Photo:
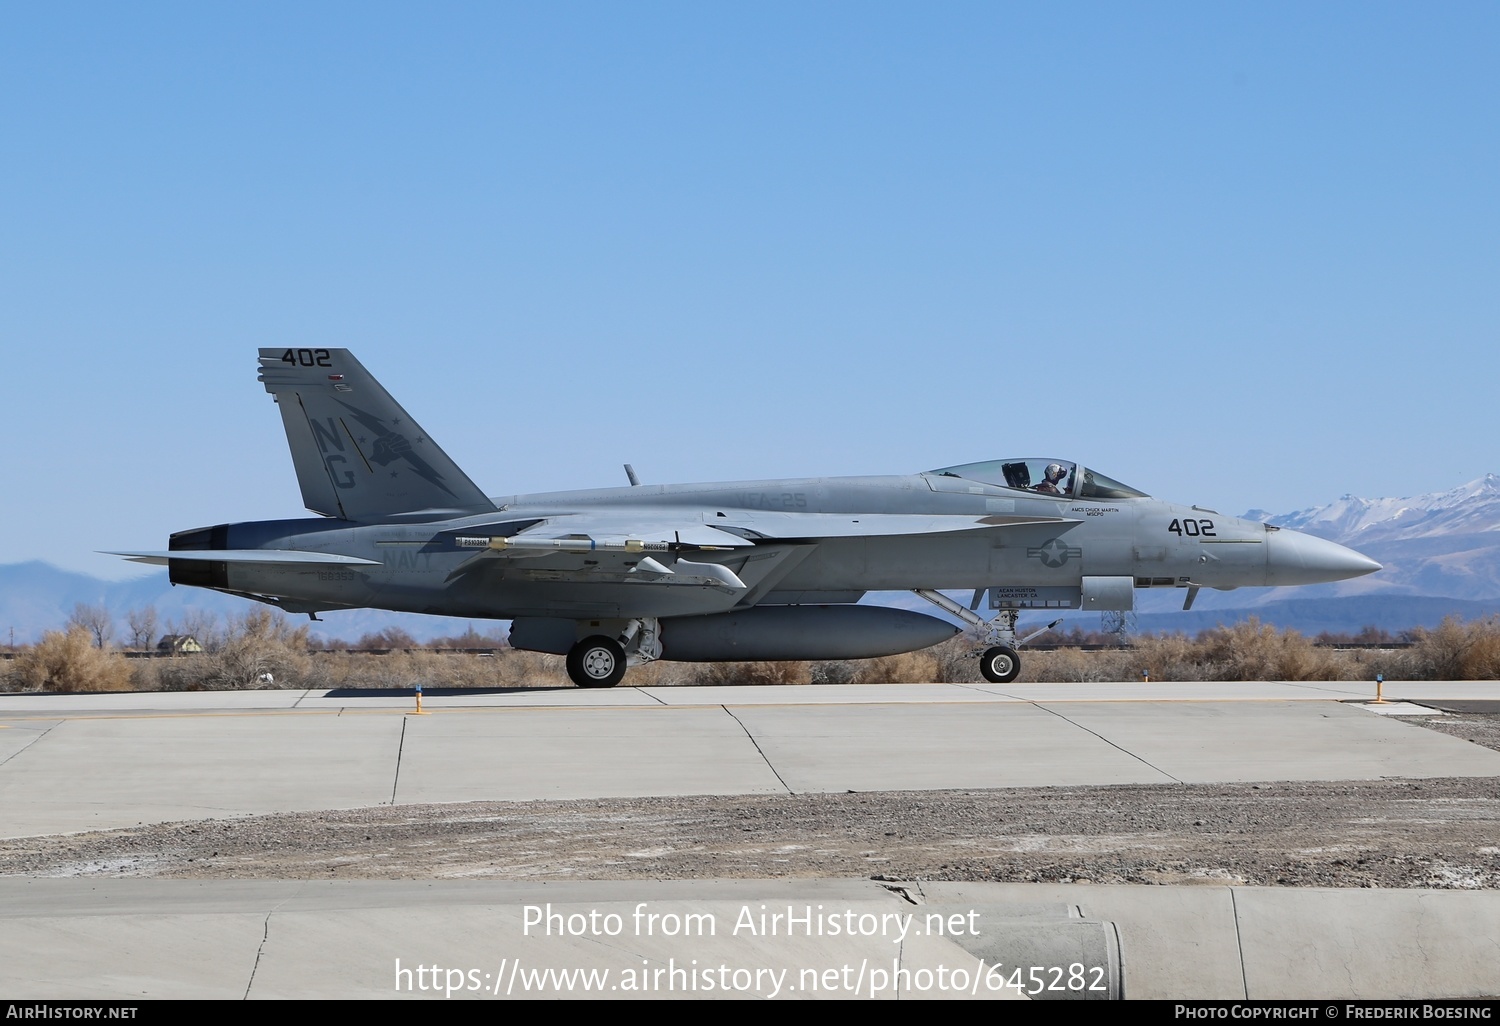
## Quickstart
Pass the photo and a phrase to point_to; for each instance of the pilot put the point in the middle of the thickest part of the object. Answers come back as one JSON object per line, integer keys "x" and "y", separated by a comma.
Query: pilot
{"x": 1052, "y": 482}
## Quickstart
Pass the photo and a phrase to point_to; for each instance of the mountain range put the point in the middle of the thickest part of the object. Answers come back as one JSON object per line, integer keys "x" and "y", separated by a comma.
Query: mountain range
{"x": 1440, "y": 551}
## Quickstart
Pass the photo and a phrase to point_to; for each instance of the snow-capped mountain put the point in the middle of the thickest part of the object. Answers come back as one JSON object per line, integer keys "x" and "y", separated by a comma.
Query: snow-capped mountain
{"x": 1442, "y": 544}
{"x": 1473, "y": 508}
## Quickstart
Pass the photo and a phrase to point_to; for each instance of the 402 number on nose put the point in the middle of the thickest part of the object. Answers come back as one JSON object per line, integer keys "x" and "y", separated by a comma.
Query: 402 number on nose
{"x": 1192, "y": 528}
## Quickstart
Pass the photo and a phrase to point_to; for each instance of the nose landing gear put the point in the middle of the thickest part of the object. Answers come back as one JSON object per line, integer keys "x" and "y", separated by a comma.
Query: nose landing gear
{"x": 1000, "y": 661}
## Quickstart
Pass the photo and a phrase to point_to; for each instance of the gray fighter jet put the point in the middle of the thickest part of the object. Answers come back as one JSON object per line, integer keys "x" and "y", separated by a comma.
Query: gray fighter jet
{"x": 748, "y": 570}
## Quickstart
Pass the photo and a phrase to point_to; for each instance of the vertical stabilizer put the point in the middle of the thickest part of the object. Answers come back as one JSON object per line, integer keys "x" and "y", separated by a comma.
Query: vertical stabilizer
{"x": 358, "y": 455}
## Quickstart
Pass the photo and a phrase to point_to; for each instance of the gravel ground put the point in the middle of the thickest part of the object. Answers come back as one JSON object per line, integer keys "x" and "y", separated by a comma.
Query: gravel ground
{"x": 1386, "y": 833}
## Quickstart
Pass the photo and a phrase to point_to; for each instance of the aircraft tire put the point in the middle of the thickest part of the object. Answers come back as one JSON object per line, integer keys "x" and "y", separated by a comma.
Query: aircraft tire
{"x": 596, "y": 662}
{"x": 1000, "y": 665}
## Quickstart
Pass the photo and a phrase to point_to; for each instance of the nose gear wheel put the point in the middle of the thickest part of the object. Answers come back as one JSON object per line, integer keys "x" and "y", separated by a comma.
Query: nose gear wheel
{"x": 1000, "y": 665}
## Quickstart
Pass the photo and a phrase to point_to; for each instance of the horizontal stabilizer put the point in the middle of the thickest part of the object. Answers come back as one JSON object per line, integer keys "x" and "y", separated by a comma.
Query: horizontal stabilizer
{"x": 281, "y": 556}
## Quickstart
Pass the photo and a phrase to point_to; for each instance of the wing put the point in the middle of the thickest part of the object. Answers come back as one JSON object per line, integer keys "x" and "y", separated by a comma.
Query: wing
{"x": 665, "y": 548}
{"x": 587, "y": 546}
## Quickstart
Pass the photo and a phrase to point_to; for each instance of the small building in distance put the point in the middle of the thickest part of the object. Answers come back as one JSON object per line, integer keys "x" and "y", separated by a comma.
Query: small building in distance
{"x": 178, "y": 644}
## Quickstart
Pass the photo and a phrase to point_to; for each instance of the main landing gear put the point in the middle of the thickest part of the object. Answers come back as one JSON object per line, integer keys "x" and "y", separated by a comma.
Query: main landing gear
{"x": 1000, "y": 662}
{"x": 599, "y": 661}
{"x": 596, "y": 662}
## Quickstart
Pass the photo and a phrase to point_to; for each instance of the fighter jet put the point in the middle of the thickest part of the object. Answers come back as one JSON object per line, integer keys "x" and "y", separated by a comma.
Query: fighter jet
{"x": 748, "y": 570}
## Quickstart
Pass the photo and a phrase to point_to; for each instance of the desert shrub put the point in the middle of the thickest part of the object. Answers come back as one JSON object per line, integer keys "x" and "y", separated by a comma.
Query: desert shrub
{"x": 1246, "y": 651}
{"x": 918, "y": 667}
{"x": 957, "y": 661}
{"x": 660, "y": 674}
{"x": 177, "y": 673}
{"x": 1256, "y": 651}
{"x": 466, "y": 671}
{"x": 1065, "y": 665}
{"x": 400, "y": 670}
{"x": 70, "y": 661}
{"x": 508, "y": 669}
{"x": 405, "y": 670}
{"x": 1398, "y": 664}
{"x": 781, "y": 672}
{"x": 834, "y": 671}
{"x": 1456, "y": 650}
{"x": 471, "y": 638}
{"x": 261, "y": 649}
{"x": 516, "y": 669}
{"x": 389, "y": 639}
{"x": 1167, "y": 657}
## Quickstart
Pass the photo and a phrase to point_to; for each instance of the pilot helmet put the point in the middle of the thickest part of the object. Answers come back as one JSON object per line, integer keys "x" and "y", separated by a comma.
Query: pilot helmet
{"x": 1055, "y": 472}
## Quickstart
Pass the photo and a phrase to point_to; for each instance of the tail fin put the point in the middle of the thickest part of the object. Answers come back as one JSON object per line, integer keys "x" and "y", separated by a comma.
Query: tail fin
{"x": 358, "y": 455}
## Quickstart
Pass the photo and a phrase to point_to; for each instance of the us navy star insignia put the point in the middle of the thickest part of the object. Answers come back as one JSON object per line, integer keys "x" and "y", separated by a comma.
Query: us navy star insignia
{"x": 1054, "y": 553}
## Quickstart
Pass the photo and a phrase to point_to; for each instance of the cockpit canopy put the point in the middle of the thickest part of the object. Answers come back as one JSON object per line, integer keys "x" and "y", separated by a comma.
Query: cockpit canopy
{"x": 1045, "y": 477}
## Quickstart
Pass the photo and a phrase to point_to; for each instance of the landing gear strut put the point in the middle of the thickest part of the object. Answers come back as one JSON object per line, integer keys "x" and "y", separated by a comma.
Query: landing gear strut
{"x": 1000, "y": 662}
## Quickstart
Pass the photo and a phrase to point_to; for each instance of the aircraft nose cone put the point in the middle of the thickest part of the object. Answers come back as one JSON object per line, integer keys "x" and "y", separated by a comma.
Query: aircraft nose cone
{"x": 1296, "y": 558}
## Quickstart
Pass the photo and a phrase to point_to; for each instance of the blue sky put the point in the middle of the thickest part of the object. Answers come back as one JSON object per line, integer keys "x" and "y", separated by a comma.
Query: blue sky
{"x": 1234, "y": 254}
